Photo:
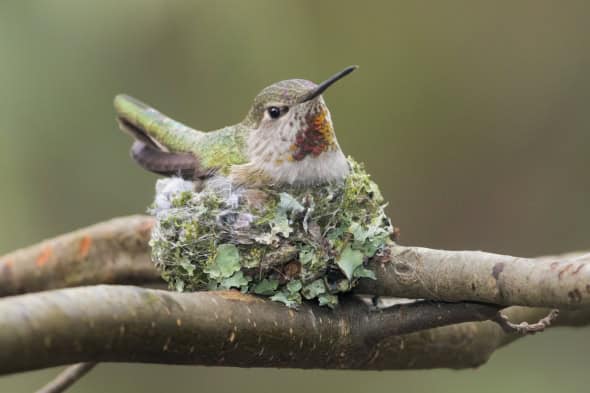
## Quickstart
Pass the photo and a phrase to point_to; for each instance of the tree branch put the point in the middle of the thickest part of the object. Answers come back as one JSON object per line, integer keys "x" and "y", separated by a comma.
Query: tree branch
{"x": 111, "y": 252}
{"x": 116, "y": 251}
{"x": 108, "y": 323}
{"x": 465, "y": 345}
{"x": 416, "y": 272}
{"x": 125, "y": 323}
{"x": 131, "y": 324}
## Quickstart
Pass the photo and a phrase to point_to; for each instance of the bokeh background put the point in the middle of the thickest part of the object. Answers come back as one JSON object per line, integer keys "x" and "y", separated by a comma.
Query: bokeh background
{"x": 472, "y": 116}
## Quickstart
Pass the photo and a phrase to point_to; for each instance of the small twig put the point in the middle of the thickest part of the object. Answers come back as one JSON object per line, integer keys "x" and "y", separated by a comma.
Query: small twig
{"x": 67, "y": 378}
{"x": 525, "y": 327}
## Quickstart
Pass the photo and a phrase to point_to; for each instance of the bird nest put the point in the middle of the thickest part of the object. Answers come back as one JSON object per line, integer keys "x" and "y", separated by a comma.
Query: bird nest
{"x": 290, "y": 244}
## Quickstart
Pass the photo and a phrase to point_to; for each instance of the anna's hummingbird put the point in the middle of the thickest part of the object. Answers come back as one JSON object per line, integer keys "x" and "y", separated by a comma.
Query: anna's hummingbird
{"x": 287, "y": 138}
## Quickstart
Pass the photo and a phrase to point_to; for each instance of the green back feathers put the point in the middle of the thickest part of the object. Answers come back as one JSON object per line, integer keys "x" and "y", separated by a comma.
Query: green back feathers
{"x": 222, "y": 148}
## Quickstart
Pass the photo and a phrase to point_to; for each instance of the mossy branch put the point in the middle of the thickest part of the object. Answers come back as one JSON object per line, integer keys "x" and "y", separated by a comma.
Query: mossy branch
{"x": 116, "y": 251}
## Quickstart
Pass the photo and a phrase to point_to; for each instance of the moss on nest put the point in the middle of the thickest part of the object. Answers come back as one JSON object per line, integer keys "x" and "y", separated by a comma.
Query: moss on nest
{"x": 289, "y": 244}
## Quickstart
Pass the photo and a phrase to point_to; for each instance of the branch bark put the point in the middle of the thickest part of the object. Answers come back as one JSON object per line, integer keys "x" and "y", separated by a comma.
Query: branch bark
{"x": 125, "y": 323}
{"x": 111, "y": 252}
{"x": 132, "y": 324}
{"x": 417, "y": 272}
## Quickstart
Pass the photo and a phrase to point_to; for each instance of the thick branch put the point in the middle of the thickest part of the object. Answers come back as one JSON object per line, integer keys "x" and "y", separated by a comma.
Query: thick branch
{"x": 114, "y": 251}
{"x": 131, "y": 324}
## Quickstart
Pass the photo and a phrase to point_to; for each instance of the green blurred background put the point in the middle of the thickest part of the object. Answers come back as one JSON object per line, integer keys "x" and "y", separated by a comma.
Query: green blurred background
{"x": 472, "y": 116}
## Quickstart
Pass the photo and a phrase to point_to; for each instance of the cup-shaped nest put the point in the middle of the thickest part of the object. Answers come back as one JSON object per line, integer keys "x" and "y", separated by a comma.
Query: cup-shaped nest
{"x": 289, "y": 243}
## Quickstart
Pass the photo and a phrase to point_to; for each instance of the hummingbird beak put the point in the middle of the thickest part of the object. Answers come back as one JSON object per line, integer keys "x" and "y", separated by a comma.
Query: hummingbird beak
{"x": 319, "y": 89}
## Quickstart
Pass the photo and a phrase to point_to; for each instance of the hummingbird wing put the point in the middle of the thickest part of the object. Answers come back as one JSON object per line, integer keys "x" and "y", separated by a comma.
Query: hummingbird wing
{"x": 147, "y": 126}
{"x": 165, "y": 146}
{"x": 167, "y": 134}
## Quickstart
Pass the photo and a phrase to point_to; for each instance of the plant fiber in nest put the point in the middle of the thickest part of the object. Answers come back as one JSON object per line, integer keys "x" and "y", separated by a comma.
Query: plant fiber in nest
{"x": 289, "y": 243}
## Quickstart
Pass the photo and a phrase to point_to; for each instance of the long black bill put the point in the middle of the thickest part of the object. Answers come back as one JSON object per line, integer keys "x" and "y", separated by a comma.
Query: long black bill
{"x": 327, "y": 83}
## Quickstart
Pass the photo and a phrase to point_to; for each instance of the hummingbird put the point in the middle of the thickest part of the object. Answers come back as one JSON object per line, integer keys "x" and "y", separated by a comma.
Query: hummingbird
{"x": 287, "y": 138}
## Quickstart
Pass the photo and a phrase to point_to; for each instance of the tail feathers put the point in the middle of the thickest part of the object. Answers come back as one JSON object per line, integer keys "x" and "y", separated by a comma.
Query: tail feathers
{"x": 151, "y": 158}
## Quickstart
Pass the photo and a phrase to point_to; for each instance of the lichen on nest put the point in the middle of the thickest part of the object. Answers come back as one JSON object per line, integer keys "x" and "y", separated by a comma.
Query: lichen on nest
{"x": 289, "y": 244}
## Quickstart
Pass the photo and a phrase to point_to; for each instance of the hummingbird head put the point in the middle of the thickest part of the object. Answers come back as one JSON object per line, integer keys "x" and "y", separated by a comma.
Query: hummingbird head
{"x": 292, "y": 138}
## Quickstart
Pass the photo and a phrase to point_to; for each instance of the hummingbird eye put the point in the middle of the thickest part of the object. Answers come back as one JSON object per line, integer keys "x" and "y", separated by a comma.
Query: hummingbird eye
{"x": 275, "y": 112}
